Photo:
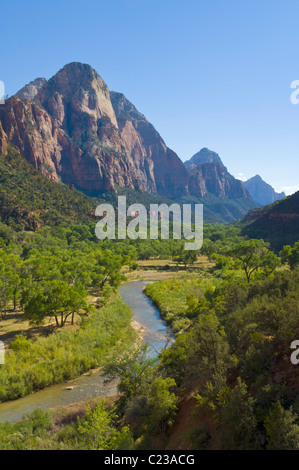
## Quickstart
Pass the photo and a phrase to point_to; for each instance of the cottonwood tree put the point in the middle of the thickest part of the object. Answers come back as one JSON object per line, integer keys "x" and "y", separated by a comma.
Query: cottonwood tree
{"x": 59, "y": 300}
{"x": 107, "y": 269}
{"x": 254, "y": 255}
{"x": 186, "y": 257}
{"x": 290, "y": 255}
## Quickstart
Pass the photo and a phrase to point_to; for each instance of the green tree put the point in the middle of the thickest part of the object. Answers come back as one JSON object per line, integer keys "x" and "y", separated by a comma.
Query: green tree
{"x": 107, "y": 269}
{"x": 135, "y": 370}
{"x": 290, "y": 255}
{"x": 186, "y": 257}
{"x": 237, "y": 426}
{"x": 100, "y": 433}
{"x": 7, "y": 281}
{"x": 282, "y": 432}
{"x": 254, "y": 255}
{"x": 16, "y": 281}
{"x": 59, "y": 300}
{"x": 163, "y": 404}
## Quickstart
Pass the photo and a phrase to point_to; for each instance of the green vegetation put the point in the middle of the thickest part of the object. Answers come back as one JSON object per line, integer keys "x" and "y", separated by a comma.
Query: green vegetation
{"x": 235, "y": 315}
{"x": 277, "y": 223}
{"x": 98, "y": 429}
{"x": 235, "y": 357}
{"x": 99, "y": 432}
{"x": 290, "y": 255}
{"x": 148, "y": 403}
{"x": 32, "y": 365}
{"x": 53, "y": 275}
{"x": 220, "y": 211}
{"x": 171, "y": 296}
{"x": 29, "y": 200}
{"x": 254, "y": 256}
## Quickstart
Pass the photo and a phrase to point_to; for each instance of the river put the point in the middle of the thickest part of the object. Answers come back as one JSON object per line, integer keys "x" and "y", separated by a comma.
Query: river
{"x": 91, "y": 385}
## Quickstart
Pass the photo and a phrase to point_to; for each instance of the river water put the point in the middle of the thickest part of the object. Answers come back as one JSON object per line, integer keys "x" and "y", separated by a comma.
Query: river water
{"x": 91, "y": 385}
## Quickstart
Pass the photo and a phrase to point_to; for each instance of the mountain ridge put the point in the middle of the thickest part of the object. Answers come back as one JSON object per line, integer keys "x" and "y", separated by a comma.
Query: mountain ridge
{"x": 75, "y": 131}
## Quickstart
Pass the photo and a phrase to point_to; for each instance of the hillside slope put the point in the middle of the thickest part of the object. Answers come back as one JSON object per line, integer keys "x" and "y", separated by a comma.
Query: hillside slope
{"x": 29, "y": 200}
{"x": 277, "y": 223}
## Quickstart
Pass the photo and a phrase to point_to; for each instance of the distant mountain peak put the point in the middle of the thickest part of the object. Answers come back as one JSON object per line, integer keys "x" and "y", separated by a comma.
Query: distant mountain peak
{"x": 257, "y": 178}
{"x": 205, "y": 155}
{"x": 78, "y": 74}
{"x": 262, "y": 192}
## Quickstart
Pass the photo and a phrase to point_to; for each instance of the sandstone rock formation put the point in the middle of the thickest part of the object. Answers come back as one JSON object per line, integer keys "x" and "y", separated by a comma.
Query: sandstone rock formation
{"x": 71, "y": 131}
{"x": 74, "y": 130}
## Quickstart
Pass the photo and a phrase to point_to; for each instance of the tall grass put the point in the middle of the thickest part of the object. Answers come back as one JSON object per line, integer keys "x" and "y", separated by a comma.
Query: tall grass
{"x": 170, "y": 296}
{"x": 66, "y": 355}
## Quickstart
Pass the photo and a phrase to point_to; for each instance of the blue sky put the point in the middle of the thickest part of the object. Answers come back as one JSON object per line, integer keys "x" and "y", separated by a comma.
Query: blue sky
{"x": 210, "y": 74}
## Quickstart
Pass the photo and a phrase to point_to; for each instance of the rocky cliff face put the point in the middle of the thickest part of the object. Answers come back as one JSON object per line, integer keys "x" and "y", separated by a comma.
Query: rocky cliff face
{"x": 261, "y": 191}
{"x": 70, "y": 130}
{"x": 158, "y": 168}
{"x": 213, "y": 178}
{"x": 93, "y": 156}
{"x": 30, "y": 128}
{"x": 207, "y": 174}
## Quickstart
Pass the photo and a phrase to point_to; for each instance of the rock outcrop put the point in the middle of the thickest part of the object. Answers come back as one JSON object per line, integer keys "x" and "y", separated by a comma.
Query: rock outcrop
{"x": 74, "y": 130}
{"x": 29, "y": 91}
{"x": 31, "y": 130}
{"x": 3, "y": 141}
